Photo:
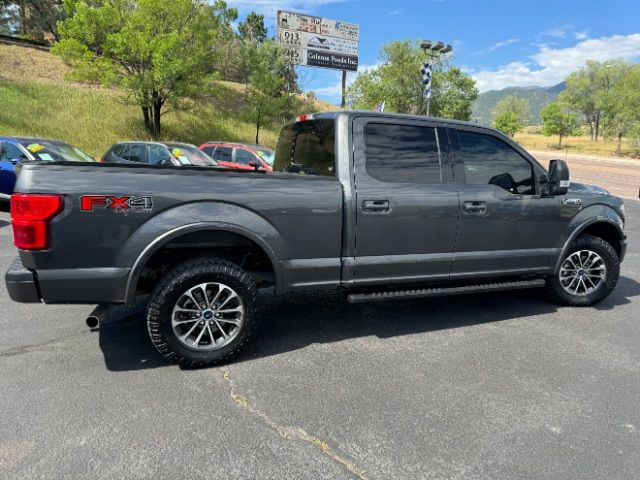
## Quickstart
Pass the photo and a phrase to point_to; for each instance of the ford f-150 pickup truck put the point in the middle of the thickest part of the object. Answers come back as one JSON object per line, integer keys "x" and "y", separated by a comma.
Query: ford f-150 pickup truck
{"x": 381, "y": 206}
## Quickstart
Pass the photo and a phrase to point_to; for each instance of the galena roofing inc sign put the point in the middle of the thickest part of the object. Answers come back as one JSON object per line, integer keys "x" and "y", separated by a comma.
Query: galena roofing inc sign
{"x": 319, "y": 42}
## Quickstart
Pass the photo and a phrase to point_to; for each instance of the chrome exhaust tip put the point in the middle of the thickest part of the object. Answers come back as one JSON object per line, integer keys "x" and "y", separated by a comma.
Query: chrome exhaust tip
{"x": 96, "y": 317}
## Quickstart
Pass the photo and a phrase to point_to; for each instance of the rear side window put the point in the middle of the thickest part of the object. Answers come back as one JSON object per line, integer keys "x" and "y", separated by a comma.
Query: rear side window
{"x": 490, "y": 161}
{"x": 307, "y": 148}
{"x": 222, "y": 154}
{"x": 402, "y": 153}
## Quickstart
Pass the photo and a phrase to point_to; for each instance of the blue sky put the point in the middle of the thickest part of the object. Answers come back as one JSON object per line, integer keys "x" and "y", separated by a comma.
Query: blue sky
{"x": 500, "y": 43}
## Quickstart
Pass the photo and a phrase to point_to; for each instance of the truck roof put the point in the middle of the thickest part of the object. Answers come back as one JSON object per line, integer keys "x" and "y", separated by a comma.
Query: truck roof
{"x": 370, "y": 113}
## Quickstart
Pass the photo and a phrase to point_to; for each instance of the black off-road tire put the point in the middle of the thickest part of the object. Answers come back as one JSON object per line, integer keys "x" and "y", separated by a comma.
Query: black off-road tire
{"x": 170, "y": 288}
{"x": 612, "y": 262}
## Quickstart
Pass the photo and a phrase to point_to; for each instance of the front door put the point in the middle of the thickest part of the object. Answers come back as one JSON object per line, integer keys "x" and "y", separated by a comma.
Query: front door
{"x": 506, "y": 227}
{"x": 406, "y": 202}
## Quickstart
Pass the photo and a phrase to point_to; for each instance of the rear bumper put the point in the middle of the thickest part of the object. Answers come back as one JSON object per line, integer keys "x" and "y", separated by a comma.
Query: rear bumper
{"x": 21, "y": 283}
{"x": 75, "y": 285}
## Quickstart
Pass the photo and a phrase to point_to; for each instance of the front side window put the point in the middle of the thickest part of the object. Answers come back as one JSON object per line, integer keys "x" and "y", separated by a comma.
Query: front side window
{"x": 159, "y": 155}
{"x": 490, "y": 161}
{"x": 243, "y": 157}
{"x": 307, "y": 148}
{"x": 402, "y": 153}
{"x": 136, "y": 153}
{"x": 9, "y": 152}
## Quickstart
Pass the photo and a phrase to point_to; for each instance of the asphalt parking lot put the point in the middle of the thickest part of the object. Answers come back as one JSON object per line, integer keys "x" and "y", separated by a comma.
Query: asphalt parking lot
{"x": 494, "y": 386}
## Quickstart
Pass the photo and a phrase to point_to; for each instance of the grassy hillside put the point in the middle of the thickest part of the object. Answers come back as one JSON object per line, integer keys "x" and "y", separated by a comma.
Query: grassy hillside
{"x": 37, "y": 101}
{"x": 537, "y": 97}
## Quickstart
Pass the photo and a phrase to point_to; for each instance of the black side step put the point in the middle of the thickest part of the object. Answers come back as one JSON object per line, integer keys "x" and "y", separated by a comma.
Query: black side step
{"x": 439, "y": 292}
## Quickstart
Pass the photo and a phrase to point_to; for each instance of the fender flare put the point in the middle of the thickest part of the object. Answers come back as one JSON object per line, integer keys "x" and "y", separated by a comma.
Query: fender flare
{"x": 581, "y": 228}
{"x": 158, "y": 243}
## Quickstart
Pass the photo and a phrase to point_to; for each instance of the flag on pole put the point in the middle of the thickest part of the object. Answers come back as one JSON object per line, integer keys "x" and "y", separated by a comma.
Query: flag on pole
{"x": 380, "y": 107}
{"x": 426, "y": 79}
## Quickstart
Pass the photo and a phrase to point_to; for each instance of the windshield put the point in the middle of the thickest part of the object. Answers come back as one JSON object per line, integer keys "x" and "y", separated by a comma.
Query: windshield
{"x": 55, "y": 152}
{"x": 267, "y": 155}
{"x": 191, "y": 155}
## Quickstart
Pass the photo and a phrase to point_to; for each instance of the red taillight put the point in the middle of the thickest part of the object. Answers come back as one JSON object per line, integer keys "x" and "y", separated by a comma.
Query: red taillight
{"x": 29, "y": 216}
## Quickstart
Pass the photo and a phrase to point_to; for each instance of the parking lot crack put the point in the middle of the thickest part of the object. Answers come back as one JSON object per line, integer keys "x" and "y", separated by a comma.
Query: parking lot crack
{"x": 292, "y": 432}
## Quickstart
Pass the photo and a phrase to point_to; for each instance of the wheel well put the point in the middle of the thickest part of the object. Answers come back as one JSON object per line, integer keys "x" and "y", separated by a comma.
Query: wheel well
{"x": 209, "y": 243}
{"x": 607, "y": 232}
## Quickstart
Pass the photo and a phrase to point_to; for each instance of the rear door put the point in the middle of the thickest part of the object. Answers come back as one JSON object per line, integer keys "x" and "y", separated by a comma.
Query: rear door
{"x": 407, "y": 204}
{"x": 506, "y": 227}
{"x": 223, "y": 155}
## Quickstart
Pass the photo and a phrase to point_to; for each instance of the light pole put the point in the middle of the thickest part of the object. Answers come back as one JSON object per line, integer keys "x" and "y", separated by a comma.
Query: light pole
{"x": 432, "y": 50}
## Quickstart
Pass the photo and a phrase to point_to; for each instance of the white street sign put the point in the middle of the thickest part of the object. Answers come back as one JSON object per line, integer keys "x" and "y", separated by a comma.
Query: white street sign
{"x": 319, "y": 42}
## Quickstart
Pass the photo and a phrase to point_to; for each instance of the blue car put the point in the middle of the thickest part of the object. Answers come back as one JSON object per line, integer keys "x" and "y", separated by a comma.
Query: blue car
{"x": 17, "y": 149}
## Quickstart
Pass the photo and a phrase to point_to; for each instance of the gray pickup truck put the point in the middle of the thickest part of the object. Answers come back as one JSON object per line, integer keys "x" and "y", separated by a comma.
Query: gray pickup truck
{"x": 380, "y": 206}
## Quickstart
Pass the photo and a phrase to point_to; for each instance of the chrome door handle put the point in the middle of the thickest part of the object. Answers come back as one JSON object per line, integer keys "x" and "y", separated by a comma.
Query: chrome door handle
{"x": 476, "y": 208}
{"x": 379, "y": 206}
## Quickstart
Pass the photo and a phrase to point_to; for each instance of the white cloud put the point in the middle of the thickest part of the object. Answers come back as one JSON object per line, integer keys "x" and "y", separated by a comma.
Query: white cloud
{"x": 559, "y": 31}
{"x": 395, "y": 12}
{"x": 498, "y": 45}
{"x": 551, "y": 66}
{"x": 582, "y": 35}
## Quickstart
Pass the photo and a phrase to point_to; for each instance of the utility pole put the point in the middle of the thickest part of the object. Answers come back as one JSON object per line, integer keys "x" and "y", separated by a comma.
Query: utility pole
{"x": 433, "y": 50}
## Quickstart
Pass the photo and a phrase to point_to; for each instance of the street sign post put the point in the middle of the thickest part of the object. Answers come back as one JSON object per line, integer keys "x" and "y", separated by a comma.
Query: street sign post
{"x": 319, "y": 42}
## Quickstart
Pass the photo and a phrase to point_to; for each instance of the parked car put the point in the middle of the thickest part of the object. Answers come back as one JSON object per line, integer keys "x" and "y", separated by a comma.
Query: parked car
{"x": 155, "y": 153}
{"x": 240, "y": 156}
{"x": 14, "y": 150}
{"x": 376, "y": 205}
{"x": 185, "y": 152}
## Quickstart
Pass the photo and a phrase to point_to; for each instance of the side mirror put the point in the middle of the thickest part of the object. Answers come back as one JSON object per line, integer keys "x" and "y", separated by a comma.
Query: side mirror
{"x": 558, "y": 182}
{"x": 15, "y": 160}
{"x": 254, "y": 164}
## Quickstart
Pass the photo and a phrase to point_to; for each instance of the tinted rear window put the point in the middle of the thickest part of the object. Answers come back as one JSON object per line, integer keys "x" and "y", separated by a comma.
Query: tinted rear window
{"x": 402, "y": 153}
{"x": 307, "y": 148}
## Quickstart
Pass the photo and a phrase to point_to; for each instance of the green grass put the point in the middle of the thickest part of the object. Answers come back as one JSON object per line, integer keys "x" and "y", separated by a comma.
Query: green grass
{"x": 94, "y": 118}
{"x": 581, "y": 144}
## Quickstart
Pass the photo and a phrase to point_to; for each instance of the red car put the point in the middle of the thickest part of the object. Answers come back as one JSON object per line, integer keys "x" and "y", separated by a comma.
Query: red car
{"x": 240, "y": 156}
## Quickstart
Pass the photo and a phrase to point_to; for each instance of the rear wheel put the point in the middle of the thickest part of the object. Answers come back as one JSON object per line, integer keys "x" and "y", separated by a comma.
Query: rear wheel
{"x": 587, "y": 274}
{"x": 202, "y": 312}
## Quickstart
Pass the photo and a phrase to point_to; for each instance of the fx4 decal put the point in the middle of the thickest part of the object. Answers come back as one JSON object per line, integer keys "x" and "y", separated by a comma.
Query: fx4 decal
{"x": 126, "y": 203}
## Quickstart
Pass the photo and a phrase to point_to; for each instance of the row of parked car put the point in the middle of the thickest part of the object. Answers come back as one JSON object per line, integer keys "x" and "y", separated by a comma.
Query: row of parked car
{"x": 236, "y": 156}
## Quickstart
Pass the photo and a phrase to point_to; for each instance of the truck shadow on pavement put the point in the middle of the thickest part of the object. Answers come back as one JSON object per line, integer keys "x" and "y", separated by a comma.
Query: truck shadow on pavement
{"x": 296, "y": 321}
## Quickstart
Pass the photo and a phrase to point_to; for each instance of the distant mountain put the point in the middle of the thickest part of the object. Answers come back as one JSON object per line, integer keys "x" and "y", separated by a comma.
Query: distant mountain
{"x": 537, "y": 97}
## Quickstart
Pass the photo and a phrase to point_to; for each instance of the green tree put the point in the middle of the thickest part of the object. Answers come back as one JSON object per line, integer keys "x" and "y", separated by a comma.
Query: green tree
{"x": 517, "y": 105}
{"x": 511, "y": 114}
{"x": 397, "y": 81}
{"x": 508, "y": 123}
{"x": 621, "y": 106}
{"x": 159, "y": 51}
{"x": 267, "y": 95}
{"x": 252, "y": 29}
{"x": 587, "y": 88}
{"x": 557, "y": 120}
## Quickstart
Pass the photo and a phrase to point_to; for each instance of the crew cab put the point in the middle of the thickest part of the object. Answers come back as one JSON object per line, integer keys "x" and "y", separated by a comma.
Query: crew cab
{"x": 380, "y": 206}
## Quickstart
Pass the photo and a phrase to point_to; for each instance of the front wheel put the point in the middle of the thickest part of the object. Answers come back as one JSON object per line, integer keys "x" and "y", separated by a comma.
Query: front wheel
{"x": 202, "y": 312}
{"x": 587, "y": 274}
